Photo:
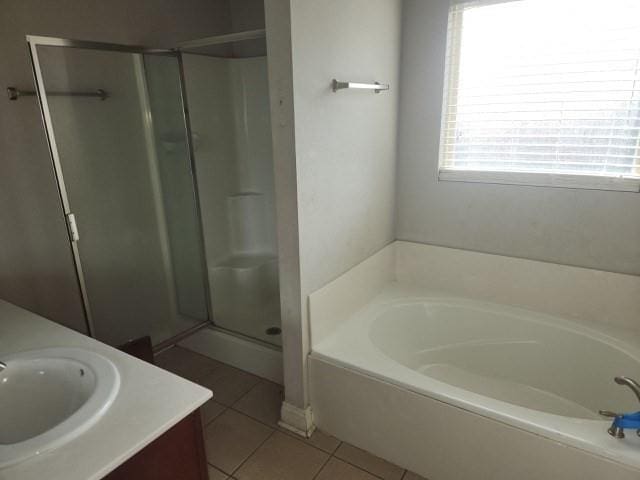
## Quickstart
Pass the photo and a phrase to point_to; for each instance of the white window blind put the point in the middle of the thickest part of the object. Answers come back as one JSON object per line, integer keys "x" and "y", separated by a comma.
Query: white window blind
{"x": 543, "y": 92}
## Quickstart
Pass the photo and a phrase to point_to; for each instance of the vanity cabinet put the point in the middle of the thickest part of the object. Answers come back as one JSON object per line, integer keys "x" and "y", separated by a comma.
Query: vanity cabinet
{"x": 178, "y": 454}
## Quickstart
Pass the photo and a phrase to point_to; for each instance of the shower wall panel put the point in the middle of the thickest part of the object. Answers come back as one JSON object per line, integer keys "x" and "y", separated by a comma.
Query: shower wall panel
{"x": 229, "y": 110}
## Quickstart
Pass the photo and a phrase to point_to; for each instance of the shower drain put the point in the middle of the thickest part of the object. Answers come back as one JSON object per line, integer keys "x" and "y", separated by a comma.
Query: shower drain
{"x": 273, "y": 331}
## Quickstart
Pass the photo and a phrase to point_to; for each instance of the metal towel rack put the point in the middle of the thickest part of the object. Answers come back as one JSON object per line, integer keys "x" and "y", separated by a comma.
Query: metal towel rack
{"x": 13, "y": 94}
{"x": 376, "y": 87}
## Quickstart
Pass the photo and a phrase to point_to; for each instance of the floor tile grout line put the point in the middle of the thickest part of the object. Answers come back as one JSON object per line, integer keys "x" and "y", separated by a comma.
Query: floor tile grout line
{"x": 364, "y": 469}
{"x": 295, "y": 437}
{"x": 220, "y": 364}
{"x": 322, "y": 467}
{"x": 242, "y": 395}
{"x": 289, "y": 433}
{"x": 205, "y": 425}
{"x": 209, "y": 464}
{"x": 270, "y": 426}
{"x": 251, "y": 454}
{"x": 273, "y": 430}
{"x": 223, "y": 365}
{"x": 245, "y": 394}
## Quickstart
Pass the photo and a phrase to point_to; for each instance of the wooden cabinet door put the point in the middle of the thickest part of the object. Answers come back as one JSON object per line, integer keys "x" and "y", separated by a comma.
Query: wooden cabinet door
{"x": 177, "y": 455}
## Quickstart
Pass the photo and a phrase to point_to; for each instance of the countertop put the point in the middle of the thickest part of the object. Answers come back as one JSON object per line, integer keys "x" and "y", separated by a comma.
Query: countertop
{"x": 150, "y": 401}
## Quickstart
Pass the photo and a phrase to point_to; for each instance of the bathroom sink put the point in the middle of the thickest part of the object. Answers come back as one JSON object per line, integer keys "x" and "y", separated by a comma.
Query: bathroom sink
{"x": 50, "y": 396}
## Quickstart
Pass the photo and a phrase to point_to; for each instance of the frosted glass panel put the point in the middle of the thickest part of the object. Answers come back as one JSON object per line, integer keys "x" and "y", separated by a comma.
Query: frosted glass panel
{"x": 178, "y": 195}
{"x": 136, "y": 272}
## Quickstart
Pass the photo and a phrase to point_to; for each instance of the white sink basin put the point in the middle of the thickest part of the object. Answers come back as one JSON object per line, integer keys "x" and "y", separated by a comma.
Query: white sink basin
{"x": 50, "y": 396}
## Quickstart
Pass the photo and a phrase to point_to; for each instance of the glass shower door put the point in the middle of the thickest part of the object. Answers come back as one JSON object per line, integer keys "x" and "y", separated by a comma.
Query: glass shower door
{"x": 123, "y": 165}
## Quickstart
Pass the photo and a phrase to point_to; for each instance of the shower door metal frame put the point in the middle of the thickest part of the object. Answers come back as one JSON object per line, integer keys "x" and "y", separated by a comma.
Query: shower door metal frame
{"x": 33, "y": 42}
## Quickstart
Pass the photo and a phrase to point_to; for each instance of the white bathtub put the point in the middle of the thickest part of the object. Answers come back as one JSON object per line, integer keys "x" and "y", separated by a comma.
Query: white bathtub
{"x": 542, "y": 373}
{"x": 538, "y": 374}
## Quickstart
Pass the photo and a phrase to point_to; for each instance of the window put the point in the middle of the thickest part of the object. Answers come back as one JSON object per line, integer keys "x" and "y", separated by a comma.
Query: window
{"x": 543, "y": 92}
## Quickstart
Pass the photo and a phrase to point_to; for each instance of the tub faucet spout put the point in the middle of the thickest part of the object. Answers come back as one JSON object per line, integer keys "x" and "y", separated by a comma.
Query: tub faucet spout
{"x": 624, "y": 420}
{"x": 629, "y": 382}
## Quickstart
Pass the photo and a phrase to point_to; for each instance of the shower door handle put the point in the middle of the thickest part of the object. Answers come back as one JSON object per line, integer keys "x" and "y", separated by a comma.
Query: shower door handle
{"x": 73, "y": 227}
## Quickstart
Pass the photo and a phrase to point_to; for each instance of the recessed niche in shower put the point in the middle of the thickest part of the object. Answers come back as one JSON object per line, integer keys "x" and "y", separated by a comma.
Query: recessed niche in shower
{"x": 228, "y": 98}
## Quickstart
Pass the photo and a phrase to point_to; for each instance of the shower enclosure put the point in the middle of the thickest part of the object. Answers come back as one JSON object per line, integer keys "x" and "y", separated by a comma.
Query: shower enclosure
{"x": 170, "y": 209}
{"x": 228, "y": 95}
{"x": 118, "y": 139}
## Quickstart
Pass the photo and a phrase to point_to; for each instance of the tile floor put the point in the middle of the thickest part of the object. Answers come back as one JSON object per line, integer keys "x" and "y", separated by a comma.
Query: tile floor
{"x": 242, "y": 437}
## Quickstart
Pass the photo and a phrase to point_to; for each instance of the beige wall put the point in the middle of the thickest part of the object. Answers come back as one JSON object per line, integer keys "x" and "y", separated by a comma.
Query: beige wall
{"x": 246, "y": 14}
{"x": 36, "y": 268}
{"x": 341, "y": 150}
{"x": 587, "y": 228}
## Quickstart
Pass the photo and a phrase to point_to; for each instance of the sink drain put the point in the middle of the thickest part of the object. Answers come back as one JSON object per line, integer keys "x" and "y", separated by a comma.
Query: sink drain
{"x": 273, "y": 331}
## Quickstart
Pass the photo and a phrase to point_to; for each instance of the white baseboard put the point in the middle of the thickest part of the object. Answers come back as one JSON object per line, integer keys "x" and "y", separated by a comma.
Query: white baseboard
{"x": 297, "y": 420}
{"x": 241, "y": 353}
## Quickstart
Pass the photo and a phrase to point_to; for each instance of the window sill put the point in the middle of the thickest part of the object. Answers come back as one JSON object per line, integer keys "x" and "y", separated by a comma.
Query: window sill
{"x": 561, "y": 180}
